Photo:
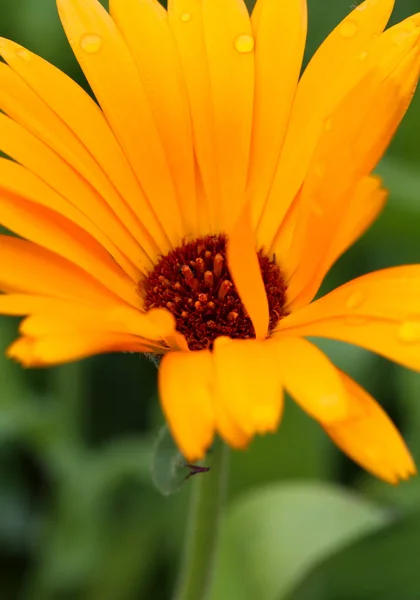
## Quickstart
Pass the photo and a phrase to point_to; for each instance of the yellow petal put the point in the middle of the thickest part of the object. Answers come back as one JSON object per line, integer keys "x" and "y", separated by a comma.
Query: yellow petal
{"x": 378, "y": 311}
{"x": 55, "y": 233}
{"x": 185, "y": 380}
{"x": 310, "y": 378}
{"x": 66, "y": 118}
{"x": 186, "y": 22}
{"x": 352, "y": 144}
{"x": 280, "y": 32}
{"x": 96, "y": 217}
{"x": 113, "y": 76}
{"x": 58, "y": 349}
{"x": 246, "y": 274}
{"x": 145, "y": 29}
{"x": 28, "y": 268}
{"x": 372, "y": 440}
{"x": 337, "y": 65}
{"x": 229, "y": 42}
{"x": 247, "y": 384}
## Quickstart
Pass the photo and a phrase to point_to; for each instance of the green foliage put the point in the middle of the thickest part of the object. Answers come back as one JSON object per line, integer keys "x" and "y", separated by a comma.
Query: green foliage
{"x": 80, "y": 518}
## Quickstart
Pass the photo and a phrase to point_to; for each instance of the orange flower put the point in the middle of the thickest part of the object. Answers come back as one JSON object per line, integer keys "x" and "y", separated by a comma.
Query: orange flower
{"x": 197, "y": 211}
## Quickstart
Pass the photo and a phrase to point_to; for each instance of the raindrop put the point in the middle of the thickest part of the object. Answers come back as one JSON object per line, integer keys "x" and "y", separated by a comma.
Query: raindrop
{"x": 356, "y": 321}
{"x": 409, "y": 332}
{"x": 244, "y": 43}
{"x": 348, "y": 29}
{"x": 363, "y": 55}
{"x": 328, "y": 124}
{"x": 185, "y": 17}
{"x": 24, "y": 54}
{"x": 319, "y": 170}
{"x": 355, "y": 300}
{"x": 400, "y": 37}
{"x": 91, "y": 43}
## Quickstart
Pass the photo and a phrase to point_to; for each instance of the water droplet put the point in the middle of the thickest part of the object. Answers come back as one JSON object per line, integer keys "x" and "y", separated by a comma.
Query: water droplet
{"x": 328, "y": 400}
{"x": 356, "y": 321}
{"x": 319, "y": 170}
{"x": 24, "y": 54}
{"x": 328, "y": 124}
{"x": 185, "y": 17}
{"x": 361, "y": 7}
{"x": 244, "y": 43}
{"x": 363, "y": 55}
{"x": 355, "y": 300}
{"x": 349, "y": 29}
{"x": 91, "y": 43}
{"x": 410, "y": 26}
{"x": 317, "y": 209}
{"x": 400, "y": 37}
{"x": 409, "y": 332}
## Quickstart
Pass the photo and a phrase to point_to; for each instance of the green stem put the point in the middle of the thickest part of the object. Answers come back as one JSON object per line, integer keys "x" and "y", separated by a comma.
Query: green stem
{"x": 203, "y": 527}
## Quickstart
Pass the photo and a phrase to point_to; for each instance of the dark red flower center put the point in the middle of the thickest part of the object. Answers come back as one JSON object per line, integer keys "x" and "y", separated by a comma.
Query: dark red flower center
{"x": 193, "y": 281}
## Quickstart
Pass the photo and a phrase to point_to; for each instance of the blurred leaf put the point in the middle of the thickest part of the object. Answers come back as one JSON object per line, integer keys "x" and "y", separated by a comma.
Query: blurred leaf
{"x": 168, "y": 464}
{"x": 384, "y": 565}
{"x": 272, "y": 537}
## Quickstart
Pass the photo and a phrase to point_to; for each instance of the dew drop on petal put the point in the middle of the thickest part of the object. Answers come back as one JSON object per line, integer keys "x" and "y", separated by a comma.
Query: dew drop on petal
{"x": 356, "y": 321}
{"x": 317, "y": 209}
{"x": 319, "y": 170}
{"x": 355, "y": 300}
{"x": 400, "y": 37}
{"x": 409, "y": 332}
{"x": 363, "y": 55}
{"x": 361, "y": 7}
{"x": 348, "y": 29}
{"x": 244, "y": 43}
{"x": 328, "y": 124}
{"x": 24, "y": 54}
{"x": 186, "y": 17}
{"x": 91, "y": 43}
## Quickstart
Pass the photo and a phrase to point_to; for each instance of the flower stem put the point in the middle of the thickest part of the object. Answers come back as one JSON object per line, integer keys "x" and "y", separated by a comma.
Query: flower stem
{"x": 203, "y": 527}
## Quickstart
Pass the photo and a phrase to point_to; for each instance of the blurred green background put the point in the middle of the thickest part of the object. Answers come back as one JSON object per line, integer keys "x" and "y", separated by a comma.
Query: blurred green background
{"x": 79, "y": 516}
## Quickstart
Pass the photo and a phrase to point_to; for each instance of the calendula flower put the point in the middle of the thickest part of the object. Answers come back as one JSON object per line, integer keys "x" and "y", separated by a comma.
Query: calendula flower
{"x": 195, "y": 212}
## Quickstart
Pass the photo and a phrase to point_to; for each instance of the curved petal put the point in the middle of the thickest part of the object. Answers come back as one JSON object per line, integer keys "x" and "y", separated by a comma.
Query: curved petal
{"x": 78, "y": 128}
{"x": 378, "y": 311}
{"x": 229, "y": 43}
{"x": 58, "y": 349}
{"x": 320, "y": 391}
{"x": 247, "y": 384}
{"x": 55, "y": 233}
{"x": 113, "y": 76}
{"x": 186, "y": 23}
{"x": 280, "y": 33}
{"x": 27, "y": 268}
{"x": 144, "y": 26}
{"x": 338, "y": 65}
{"x": 372, "y": 440}
{"x": 27, "y": 150}
{"x": 185, "y": 382}
{"x": 352, "y": 144}
{"x": 246, "y": 274}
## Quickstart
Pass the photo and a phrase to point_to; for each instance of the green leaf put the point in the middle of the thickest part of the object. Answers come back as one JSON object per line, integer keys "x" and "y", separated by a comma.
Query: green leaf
{"x": 168, "y": 464}
{"x": 273, "y": 537}
{"x": 383, "y": 565}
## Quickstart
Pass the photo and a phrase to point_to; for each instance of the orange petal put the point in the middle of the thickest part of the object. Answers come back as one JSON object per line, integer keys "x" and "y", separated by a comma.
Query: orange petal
{"x": 185, "y": 381}
{"x": 55, "y": 233}
{"x": 280, "y": 33}
{"x": 246, "y": 274}
{"x": 86, "y": 206}
{"x": 113, "y": 76}
{"x": 144, "y": 26}
{"x": 186, "y": 22}
{"x": 372, "y": 440}
{"x": 27, "y": 268}
{"x": 352, "y": 144}
{"x": 247, "y": 384}
{"x": 229, "y": 43}
{"x": 320, "y": 391}
{"x": 58, "y": 349}
{"x": 378, "y": 311}
{"x": 66, "y": 118}
{"x": 336, "y": 63}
